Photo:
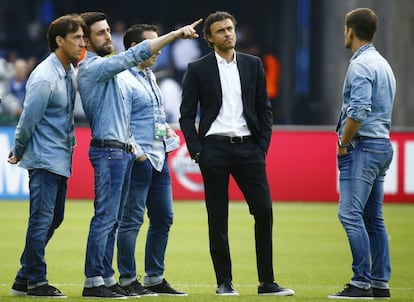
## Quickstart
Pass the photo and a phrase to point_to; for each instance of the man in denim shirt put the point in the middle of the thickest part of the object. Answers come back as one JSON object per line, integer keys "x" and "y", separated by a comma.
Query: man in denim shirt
{"x": 364, "y": 156}
{"x": 150, "y": 181}
{"x": 44, "y": 142}
{"x": 111, "y": 151}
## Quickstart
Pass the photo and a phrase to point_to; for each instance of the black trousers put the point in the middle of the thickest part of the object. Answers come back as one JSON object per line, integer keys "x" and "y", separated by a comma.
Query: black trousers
{"x": 244, "y": 161}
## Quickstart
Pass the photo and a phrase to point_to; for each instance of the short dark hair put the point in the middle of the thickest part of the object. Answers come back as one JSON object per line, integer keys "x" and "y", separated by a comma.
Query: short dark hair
{"x": 62, "y": 26}
{"x": 364, "y": 23}
{"x": 90, "y": 18}
{"x": 215, "y": 17}
{"x": 134, "y": 33}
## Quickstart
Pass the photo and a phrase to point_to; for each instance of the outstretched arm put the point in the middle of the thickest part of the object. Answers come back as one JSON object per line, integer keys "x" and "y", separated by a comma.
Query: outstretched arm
{"x": 185, "y": 32}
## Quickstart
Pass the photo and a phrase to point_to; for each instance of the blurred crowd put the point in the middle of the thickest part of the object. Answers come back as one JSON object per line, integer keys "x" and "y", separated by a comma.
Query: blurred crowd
{"x": 13, "y": 77}
{"x": 15, "y": 68}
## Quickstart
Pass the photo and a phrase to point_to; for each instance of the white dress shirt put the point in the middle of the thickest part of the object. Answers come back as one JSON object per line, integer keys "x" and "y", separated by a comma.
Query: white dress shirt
{"x": 230, "y": 120}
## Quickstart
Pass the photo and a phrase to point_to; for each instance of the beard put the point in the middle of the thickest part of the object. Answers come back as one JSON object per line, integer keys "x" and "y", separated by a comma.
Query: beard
{"x": 102, "y": 51}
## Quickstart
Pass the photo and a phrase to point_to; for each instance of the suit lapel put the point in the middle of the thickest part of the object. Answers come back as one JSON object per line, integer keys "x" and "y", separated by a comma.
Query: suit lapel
{"x": 214, "y": 76}
{"x": 243, "y": 73}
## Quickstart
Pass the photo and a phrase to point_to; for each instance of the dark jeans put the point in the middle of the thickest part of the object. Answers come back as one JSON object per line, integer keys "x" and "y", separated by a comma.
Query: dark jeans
{"x": 149, "y": 189}
{"x": 246, "y": 163}
{"x": 47, "y": 207}
{"x": 112, "y": 172}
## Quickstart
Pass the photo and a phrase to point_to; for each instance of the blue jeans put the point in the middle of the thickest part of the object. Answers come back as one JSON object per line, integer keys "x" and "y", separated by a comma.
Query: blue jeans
{"x": 361, "y": 186}
{"x": 47, "y": 207}
{"x": 112, "y": 170}
{"x": 152, "y": 189}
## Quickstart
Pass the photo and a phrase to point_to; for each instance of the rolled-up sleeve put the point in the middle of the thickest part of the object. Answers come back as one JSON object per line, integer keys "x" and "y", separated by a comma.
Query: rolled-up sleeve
{"x": 361, "y": 79}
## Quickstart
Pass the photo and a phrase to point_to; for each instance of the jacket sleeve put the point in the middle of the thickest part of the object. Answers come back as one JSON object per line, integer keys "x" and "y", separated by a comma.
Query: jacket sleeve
{"x": 263, "y": 118}
{"x": 188, "y": 110}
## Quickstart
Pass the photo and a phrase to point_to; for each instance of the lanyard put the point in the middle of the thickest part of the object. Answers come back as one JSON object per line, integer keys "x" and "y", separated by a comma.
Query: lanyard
{"x": 159, "y": 115}
{"x": 71, "y": 95}
{"x": 361, "y": 50}
{"x": 140, "y": 76}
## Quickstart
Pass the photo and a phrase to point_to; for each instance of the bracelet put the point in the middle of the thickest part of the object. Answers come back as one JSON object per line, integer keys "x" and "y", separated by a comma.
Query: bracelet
{"x": 340, "y": 145}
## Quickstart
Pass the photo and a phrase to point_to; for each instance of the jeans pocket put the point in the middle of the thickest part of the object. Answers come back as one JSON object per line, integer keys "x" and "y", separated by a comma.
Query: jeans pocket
{"x": 96, "y": 163}
{"x": 375, "y": 160}
{"x": 116, "y": 154}
{"x": 344, "y": 161}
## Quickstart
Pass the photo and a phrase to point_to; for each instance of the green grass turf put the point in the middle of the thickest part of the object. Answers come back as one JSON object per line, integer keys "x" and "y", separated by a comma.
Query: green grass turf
{"x": 311, "y": 253}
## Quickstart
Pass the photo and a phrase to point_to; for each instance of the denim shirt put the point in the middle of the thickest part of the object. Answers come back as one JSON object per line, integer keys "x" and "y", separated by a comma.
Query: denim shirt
{"x": 44, "y": 136}
{"x": 102, "y": 100}
{"x": 144, "y": 101}
{"x": 368, "y": 93}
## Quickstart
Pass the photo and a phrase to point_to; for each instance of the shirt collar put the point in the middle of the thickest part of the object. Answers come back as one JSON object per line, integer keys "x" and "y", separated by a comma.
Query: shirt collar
{"x": 138, "y": 71}
{"x": 61, "y": 70}
{"x": 361, "y": 50}
{"x": 221, "y": 60}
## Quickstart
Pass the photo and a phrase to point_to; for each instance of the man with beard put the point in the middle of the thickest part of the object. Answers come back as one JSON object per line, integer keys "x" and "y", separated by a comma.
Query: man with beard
{"x": 112, "y": 151}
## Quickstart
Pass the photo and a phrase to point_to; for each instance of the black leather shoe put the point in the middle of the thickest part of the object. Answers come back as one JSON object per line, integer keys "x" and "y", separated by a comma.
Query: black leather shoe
{"x": 136, "y": 289}
{"x": 226, "y": 289}
{"x": 45, "y": 291}
{"x": 101, "y": 292}
{"x": 273, "y": 289}
{"x": 381, "y": 293}
{"x": 352, "y": 292}
{"x": 165, "y": 289}
{"x": 117, "y": 289}
{"x": 19, "y": 289}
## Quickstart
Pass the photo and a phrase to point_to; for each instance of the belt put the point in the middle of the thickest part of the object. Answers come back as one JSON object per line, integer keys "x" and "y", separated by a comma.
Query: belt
{"x": 109, "y": 143}
{"x": 362, "y": 138}
{"x": 365, "y": 138}
{"x": 230, "y": 139}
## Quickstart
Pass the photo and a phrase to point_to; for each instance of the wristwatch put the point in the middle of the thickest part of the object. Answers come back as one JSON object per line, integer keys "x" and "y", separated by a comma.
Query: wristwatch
{"x": 340, "y": 145}
{"x": 197, "y": 157}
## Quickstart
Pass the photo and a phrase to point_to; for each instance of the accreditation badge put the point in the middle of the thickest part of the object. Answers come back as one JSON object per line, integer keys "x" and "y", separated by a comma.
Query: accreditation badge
{"x": 160, "y": 131}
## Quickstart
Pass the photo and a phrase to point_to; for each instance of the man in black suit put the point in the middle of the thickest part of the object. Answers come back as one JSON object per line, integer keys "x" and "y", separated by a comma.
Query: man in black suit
{"x": 232, "y": 139}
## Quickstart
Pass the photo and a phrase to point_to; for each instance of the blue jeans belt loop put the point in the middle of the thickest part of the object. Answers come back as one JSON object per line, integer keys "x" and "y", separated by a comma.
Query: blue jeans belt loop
{"x": 109, "y": 143}
{"x": 231, "y": 139}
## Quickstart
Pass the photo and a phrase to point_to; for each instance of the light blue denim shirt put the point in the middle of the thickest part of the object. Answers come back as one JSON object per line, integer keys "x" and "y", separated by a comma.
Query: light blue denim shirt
{"x": 102, "y": 100}
{"x": 44, "y": 136}
{"x": 142, "y": 99}
{"x": 368, "y": 93}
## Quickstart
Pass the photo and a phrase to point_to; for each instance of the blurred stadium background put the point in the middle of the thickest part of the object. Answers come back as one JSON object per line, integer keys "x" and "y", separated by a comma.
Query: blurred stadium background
{"x": 301, "y": 42}
{"x": 302, "y": 46}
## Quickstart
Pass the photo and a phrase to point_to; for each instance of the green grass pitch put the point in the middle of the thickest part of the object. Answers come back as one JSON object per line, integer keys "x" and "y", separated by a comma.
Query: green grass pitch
{"x": 311, "y": 252}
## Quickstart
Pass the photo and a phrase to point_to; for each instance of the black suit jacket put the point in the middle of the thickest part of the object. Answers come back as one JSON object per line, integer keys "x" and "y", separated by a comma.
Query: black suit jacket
{"x": 201, "y": 85}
